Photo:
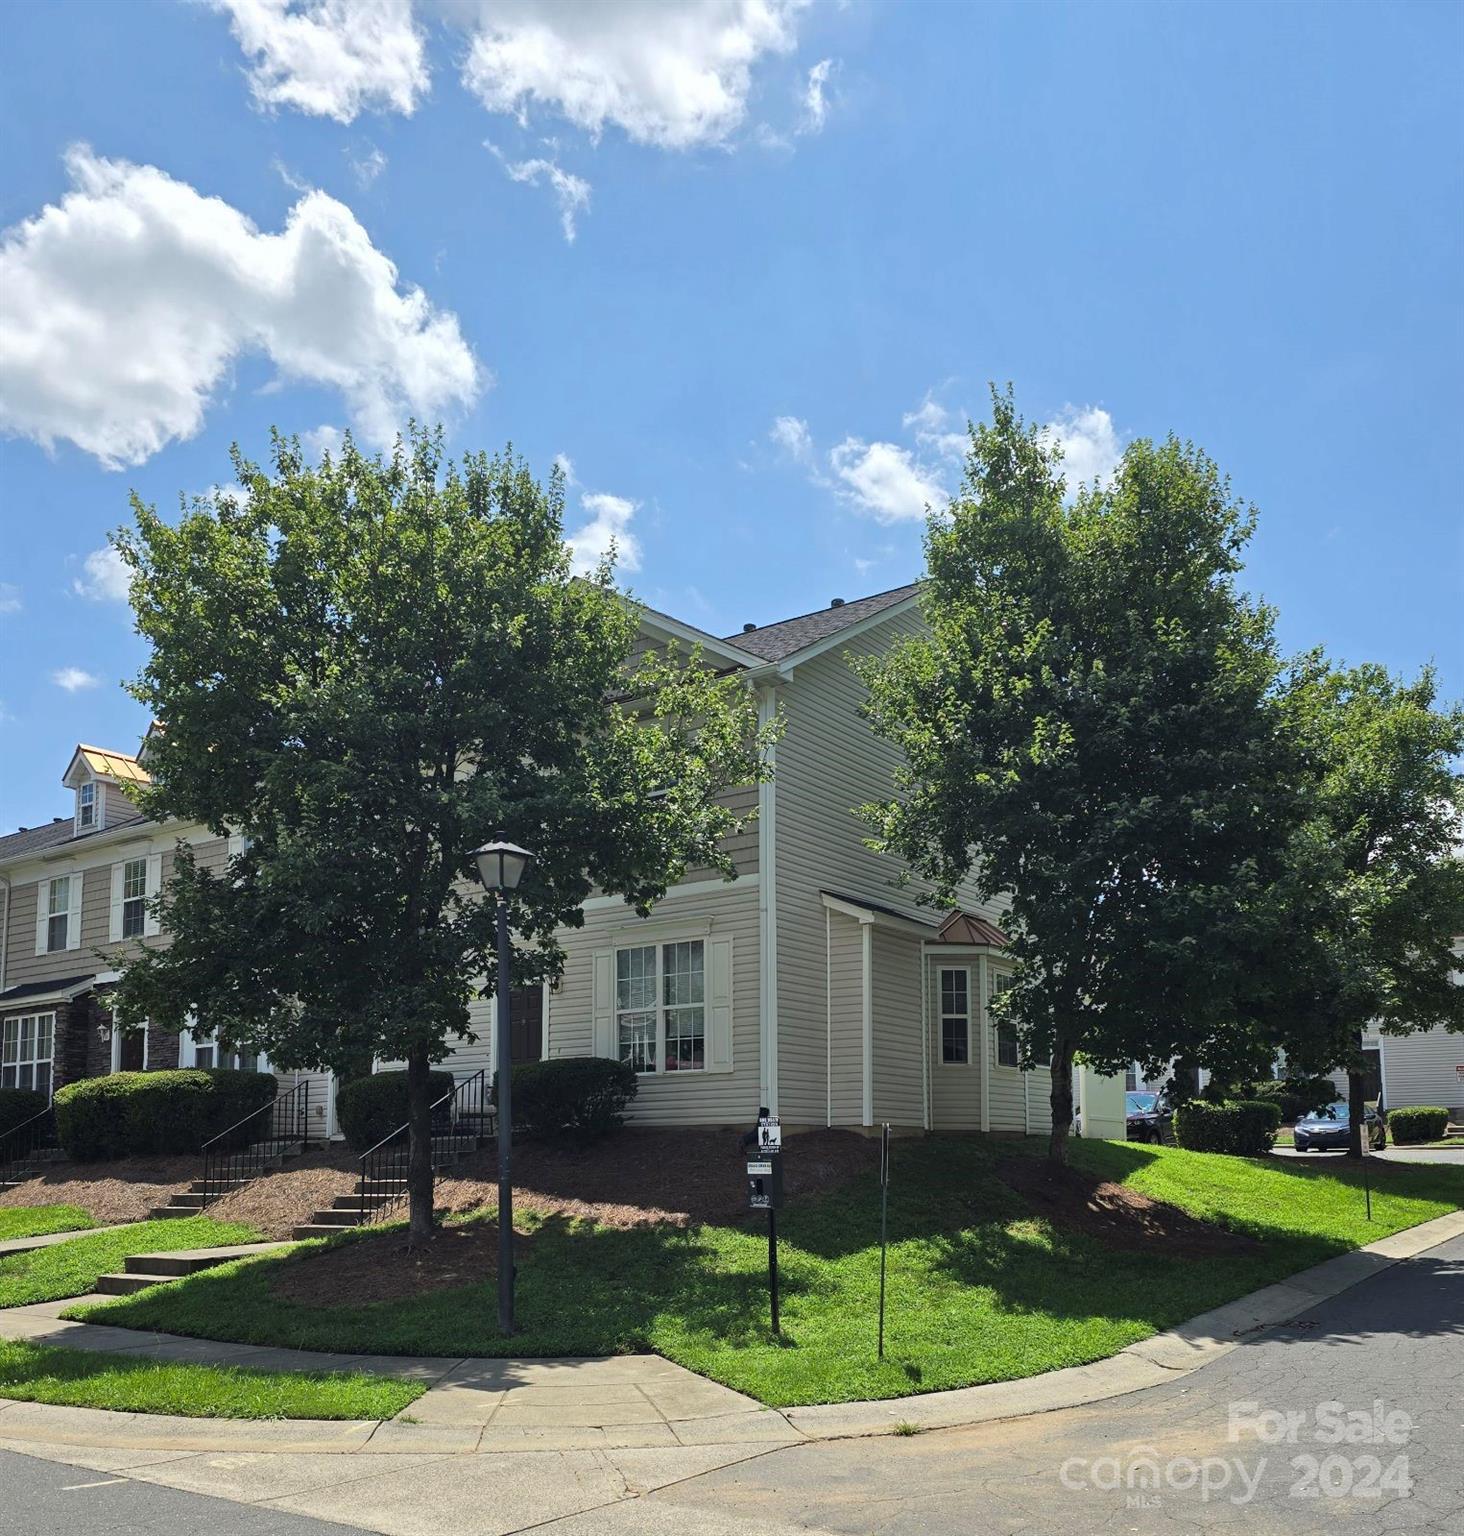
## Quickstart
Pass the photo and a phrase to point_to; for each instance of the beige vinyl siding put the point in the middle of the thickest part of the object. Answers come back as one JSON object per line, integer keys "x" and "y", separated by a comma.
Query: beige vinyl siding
{"x": 842, "y": 1047}
{"x": 685, "y": 1098}
{"x": 955, "y": 1091}
{"x": 1421, "y": 1069}
{"x": 828, "y": 763}
{"x": 895, "y": 992}
{"x": 118, "y": 808}
{"x": 742, "y": 846}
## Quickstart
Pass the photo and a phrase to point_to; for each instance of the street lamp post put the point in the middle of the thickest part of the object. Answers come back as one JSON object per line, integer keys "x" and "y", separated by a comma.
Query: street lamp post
{"x": 501, "y": 865}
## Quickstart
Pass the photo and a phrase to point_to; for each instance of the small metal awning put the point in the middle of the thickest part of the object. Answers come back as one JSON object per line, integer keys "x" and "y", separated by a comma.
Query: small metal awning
{"x": 965, "y": 928}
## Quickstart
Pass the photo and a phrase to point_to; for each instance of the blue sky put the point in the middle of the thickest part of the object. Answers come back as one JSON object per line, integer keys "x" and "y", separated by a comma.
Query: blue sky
{"x": 805, "y": 237}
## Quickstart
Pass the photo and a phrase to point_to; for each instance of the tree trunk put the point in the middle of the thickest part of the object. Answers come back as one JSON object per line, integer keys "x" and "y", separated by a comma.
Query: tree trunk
{"x": 1063, "y": 1048}
{"x": 419, "y": 1155}
{"x": 1357, "y": 1111}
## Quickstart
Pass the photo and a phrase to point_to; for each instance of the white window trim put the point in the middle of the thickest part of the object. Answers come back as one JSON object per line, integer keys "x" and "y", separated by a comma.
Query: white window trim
{"x": 997, "y": 977}
{"x": 73, "y": 912}
{"x": 941, "y": 1016}
{"x": 17, "y": 1020}
{"x": 99, "y": 807}
{"x": 660, "y": 1007}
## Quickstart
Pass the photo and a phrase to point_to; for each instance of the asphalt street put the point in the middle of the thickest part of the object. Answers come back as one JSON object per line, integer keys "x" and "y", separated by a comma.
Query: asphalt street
{"x": 1349, "y": 1419}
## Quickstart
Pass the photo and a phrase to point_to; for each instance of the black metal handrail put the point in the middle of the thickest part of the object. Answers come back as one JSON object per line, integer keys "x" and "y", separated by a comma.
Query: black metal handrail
{"x": 463, "y": 1114}
{"x": 247, "y": 1148}
{"x": 21, "y": 1142}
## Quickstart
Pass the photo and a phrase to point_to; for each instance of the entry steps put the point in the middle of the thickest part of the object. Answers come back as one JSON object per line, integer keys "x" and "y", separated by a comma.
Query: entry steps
{"x": 387, "y": 1188}
{"x": 145, "y": 1269}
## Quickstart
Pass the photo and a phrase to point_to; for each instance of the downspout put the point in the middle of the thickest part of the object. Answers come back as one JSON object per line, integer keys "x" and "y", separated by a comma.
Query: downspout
{"x": 983, "y": 981}
{"x": 5, "y": 931}
{"x": 866, "y": 931}
{"x": 829, "y": 1013}
{"x": 925, "y": 1035}
{"x": 767, "y": 904}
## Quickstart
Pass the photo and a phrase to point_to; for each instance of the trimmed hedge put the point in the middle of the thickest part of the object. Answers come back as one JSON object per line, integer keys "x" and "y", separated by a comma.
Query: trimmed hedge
{"x": 574, "y": 1097}
{"x": 1417, "y": 1122}
{"x": 1244, "y": 1128}
{"x": 177, "y": 1111}
{"x": 18, "y": 1105}
{"x": 373, "y": 1107}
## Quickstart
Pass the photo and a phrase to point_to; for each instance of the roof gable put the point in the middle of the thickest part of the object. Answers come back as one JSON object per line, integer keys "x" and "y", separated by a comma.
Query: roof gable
{"x": 788, "y": 637}
{"x": 100, "y": 763}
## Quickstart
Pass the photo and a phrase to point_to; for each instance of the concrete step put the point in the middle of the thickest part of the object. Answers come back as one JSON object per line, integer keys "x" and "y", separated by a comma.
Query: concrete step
{"x": 320, "y": 1229}
{"x": 171, "y": 1212}
{"x": 125, "y": 1285}
{"x": 338, "y": 1216}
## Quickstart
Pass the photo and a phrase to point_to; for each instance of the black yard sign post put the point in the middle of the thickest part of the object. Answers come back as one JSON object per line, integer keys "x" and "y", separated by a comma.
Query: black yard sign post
{"x": 765, "y": 1192}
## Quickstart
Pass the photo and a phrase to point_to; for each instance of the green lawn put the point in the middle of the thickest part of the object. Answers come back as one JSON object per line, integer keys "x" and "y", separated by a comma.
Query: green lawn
{"x": 42, "y": 1220}
{"x": 71, "y": 1268}
{"x": 82, "y": 1378}
{"x": 980, "y": 1289}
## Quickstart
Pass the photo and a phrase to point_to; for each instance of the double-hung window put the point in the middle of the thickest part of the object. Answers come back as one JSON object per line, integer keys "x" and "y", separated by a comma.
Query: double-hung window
{"x": 86, "y": 806}
{"x": 27, "y": 1046}
{"x": 660, "y": 1006}
{"x": 134, "y": 898}
{"x": 1008, "y": 1052}
{"x": 58, "y": 913}
{"x": 955, "y": 1017}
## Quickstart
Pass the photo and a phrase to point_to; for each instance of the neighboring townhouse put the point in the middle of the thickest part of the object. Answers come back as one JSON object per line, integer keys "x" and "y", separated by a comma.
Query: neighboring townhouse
{"x": 813, "y": 983}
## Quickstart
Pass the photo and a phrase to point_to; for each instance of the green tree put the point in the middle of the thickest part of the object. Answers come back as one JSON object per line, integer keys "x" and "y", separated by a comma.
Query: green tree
{"x": 367, "y": 668}
{"x": 1375, "y": 885}
{"x": 1090, "y": 727}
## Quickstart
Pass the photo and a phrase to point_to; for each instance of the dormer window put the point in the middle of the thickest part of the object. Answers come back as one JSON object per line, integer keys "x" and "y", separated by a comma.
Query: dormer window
{"x": 86, "y": 806}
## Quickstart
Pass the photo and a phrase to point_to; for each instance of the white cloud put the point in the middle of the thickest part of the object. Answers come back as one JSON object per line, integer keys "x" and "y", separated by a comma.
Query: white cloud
{"x": 938, "y": 429}
{"x": 609, "y": 524}
{"x": 367, "y": 167}
{"x": 884, "y": 480}
{"x": 104, "y": 577}
{"x": 73, "y": 679}
{"x": 571, "y": 192}
{"x": 675, "y": 74}
{"x": 9, "y": 597}
{"x": 565, "y": 465}
{"x": 123, "y": 306}
{"x": 815, "y": 103}
{"x": 321, "y": 440}
{"x": 1090, "y": 445}
{"x": 791, "y": 434}
{"x": 331, "y": 58}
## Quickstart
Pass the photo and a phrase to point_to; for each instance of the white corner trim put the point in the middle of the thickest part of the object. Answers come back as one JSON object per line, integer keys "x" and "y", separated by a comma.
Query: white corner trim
{"x": 866, "y": 934}
{"x": 767, "y": 911}
{"x": 983, "y": 1019}
{"x": 829, "y": 1013}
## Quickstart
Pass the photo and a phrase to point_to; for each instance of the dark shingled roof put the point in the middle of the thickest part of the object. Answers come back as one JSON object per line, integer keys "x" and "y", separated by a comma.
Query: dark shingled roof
{"x": 52, "y": 835}
{"x": 774, "y": 642}
{"x": 45, "y": 988}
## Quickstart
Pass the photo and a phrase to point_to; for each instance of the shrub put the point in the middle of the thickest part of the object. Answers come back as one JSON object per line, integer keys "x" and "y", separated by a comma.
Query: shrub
{"x": 373, "y": 1107}
{"x": 1245, "y": 1128}
{"x": 177, "y": 1111}
{"x": 579, "y": 1097}
{"x": 18, "y": 1105}
{"x": 1297, "y": 1096}
{"x": 1417, "y": 1122}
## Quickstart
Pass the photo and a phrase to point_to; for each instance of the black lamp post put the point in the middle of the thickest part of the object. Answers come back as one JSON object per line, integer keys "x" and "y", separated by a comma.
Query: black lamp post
{"x": 501, "y": 866}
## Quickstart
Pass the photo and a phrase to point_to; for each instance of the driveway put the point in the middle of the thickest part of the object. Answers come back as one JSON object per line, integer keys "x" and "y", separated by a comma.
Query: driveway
{"x": 1449, "y": 1156}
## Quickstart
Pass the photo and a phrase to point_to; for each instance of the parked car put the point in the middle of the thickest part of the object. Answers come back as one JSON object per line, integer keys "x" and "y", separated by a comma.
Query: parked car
{"x": 1147, "y": 1113}
{"x": 1331, "y": 1125}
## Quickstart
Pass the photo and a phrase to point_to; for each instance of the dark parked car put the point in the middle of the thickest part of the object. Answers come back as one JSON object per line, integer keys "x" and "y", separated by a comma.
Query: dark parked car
{"x": 1147, "y": 1113}
{"x": 1329, "y": 1127}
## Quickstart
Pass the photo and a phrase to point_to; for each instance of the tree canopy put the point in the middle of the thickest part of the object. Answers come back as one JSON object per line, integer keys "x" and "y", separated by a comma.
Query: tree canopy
{"x": 1091, "y": 726}
{"x": 365, "y": 668}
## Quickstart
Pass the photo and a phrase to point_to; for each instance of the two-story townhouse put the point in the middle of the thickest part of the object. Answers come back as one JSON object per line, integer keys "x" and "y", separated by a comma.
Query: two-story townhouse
{"x": 814, "y": 982}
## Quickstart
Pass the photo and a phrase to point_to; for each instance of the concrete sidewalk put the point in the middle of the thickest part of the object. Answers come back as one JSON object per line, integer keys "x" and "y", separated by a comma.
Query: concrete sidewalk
{"x": 637, "y": 1402}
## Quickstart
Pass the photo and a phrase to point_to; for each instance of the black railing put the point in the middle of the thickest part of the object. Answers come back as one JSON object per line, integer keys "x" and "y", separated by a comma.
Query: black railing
{"x": 256, "y": 1143}
{"x": 19, "y": 1145}
{"x": 461, "y": 1118}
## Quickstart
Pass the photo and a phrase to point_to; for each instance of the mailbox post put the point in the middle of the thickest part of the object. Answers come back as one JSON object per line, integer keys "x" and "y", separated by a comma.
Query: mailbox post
{"x": 764, "y": 1147}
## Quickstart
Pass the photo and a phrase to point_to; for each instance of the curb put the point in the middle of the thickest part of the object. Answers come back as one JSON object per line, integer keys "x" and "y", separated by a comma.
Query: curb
{"x": 1161, "y": 1358}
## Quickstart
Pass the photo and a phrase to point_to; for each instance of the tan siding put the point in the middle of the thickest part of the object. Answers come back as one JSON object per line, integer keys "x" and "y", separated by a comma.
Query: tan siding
{"x": 955, "y": 1091}
{"x": 118, "y": 807}
{"x": 1421, "y": 1069}
{"x": 828, "y": 763}
{"x": 690, "y": 1098}
{"x": 843, "y": 1043}
{"x": 898, "y": 1086}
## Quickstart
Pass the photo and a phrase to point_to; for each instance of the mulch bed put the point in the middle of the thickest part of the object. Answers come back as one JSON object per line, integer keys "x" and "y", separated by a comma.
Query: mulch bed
{"x": 354, "y": 1274}
{"x": 1117, "y": 1216}
{"x": 280, "y": 1201}
{"x": 125, "y": 1190}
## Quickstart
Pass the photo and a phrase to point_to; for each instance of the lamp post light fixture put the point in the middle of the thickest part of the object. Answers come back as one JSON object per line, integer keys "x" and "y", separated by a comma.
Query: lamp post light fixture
{"x": 501, "y": 865}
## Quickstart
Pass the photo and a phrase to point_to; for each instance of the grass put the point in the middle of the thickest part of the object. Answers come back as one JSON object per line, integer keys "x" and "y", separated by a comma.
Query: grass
{"x": 72, "y": 1268}
{"x": 81, "y": 1378}
{"x": 42, "y": 1220}
{"x": 980, "y": 1288}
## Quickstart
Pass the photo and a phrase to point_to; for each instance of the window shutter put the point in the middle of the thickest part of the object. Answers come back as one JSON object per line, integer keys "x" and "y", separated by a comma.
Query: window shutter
{"x": 150, "y": 926}
{"x": 602, "y": 1003}
{"x": 114, "y": 920}
{"x": 73, "y": 915}
{"x": 43, "y": 910}
{"x": 719, "y": 1005}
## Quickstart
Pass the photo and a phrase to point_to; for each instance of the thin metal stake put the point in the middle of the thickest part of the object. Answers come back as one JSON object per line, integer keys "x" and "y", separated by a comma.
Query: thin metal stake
{"x": 884, "y": 1212}
{"x": 1366, "y": 1183}
{"x": 773, "y": 1269}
